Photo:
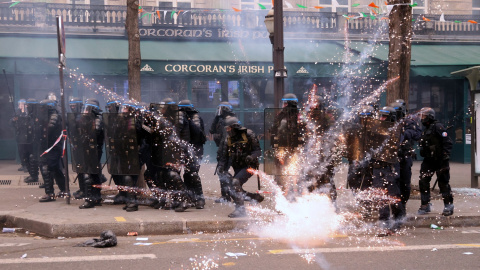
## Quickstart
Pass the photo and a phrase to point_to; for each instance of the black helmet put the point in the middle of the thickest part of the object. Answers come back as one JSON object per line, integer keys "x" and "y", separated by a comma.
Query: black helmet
{"x": 128, "y": 107}
{"x": 186, "y": 105}
{"x": 112, "y": 105}
{"x": 388, "y": 114}
{"x": 224, "y": 108}
{"x": 366, "y": 111}
{"x": 233, "y": 122}
{"x": 91, "y": 106}
{"x": 76, "y": 105}
{"x": 50, "y": 104}
{"x": 290, "y": 100}
{"x": 30, "y": 105}
{"x": 427, "y": 115}
{"x": 167, "y": 101}
{"x": 400, "y": 107}
{"x": 52, "y": 96}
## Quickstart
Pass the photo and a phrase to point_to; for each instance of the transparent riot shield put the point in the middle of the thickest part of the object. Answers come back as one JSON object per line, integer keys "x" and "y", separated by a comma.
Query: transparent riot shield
{"x": 282, "y": 139}
{"x": 355, "y": 141}
{"x": 83, "y": 141}
{"x": 168, "y": 111}
{"x": 121, "y": 144}
{"x": 383, "y": 140}
{"x": 40, "y": 128}
{"x": 166, "y": 146}
{"x": 24, "y": 129}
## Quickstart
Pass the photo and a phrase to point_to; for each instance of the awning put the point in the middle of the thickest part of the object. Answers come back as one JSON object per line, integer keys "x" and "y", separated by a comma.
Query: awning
{"x": 108, "y": 56}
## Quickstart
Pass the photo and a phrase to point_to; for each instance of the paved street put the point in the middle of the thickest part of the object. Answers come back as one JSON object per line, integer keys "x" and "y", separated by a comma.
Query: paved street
{"x": 451, "y": 248}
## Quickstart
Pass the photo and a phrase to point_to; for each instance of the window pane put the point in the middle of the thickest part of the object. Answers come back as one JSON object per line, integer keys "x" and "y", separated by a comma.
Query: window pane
{"x": 476, "y": 3}
{"x": 254, "y": 121}
{"x": 342, "y": 10}
{"x": 184, "y": 5}
{"x": 165, "y": 4}
{"x": 343, "y": 2}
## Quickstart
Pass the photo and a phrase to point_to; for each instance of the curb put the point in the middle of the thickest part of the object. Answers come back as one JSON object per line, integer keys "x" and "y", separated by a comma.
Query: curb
{"x": 55, "y": 230}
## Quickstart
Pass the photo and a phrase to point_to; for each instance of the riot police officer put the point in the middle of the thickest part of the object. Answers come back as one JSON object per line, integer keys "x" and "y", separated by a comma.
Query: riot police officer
{"x": 112, "y": 106}
{"x": 411, "y": 133}
{"x": 50, "y": 160}
{"x": 286, "y": 136}
{"x": 191, "y": 176}
{"x": 92, "y": 194}
{"x": 386, "y": 171}
{"x": 359, "y": 175}
{"x": 435, "y": 148}
{"x": 24, "y": 124}
{"x": 217, "y": 129}
{"x": 76, "y": 105}
{"x": 241, "y": 151}
{"x": 169, "y": 133}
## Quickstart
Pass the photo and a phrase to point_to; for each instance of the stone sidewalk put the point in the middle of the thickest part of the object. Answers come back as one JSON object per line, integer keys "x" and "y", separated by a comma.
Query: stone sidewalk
{"x": 19, "y": 207}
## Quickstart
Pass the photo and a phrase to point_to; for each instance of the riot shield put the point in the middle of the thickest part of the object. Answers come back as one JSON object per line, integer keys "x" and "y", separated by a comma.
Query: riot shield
{"x": 166, "y": 145}
{"x": 355, "y": 141}
{"x": 24, "y": 129}
{"x": 83, "y": 142}
{"x": 40, "y": 128}
{"x": 282, "y": 138}
{"x": 121, "y": 144}
{"x": 383, "y": 140}
{"x": 168, "y": 111}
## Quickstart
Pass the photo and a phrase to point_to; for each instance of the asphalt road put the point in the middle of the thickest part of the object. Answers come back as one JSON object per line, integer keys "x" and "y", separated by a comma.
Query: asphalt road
{"x": 450, "y": 248}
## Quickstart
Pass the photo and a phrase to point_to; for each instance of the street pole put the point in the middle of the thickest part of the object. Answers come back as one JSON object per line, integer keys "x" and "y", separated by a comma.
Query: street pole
{"x": 61, "y": 65}
{"x": 278, "y": 49}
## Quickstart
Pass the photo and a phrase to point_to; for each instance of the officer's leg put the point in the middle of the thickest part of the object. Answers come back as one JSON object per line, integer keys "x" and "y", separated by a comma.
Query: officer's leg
{"x": 194, "y": 186}
{"x": 380, "y": 182}
{"x": 427, "y": 170}
{"x": 177, "y": 198}
{"x": 443, "y": 176}
{"x": 130, "y": 181}
{"x": 80, "y": 193}
{"x": 32, "y": 166}
{"x": 23, "y": 155}
{"x": 89, "y": 193}
{"x": 48, "y": 182}
{"x": 240, "y": 178}
{"x": 405, "y": 178}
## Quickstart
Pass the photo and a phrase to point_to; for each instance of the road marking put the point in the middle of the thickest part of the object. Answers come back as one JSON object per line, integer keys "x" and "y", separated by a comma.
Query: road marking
{"x": 471, "y": 231}
{"x": 371, "y": 249}
{"x": 229, "y": 264}
{"x": 79, "y": 259}
{"x": 120, "y": 219}
{"x": 197, "y": 240}
{"x": 14, "y": 244}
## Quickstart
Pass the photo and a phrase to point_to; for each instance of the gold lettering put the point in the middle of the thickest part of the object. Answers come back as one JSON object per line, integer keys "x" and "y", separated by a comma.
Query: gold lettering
{"x": 222, "y": 69}
{"x": 192, "y": 70}
{"x": 200, "y": 68}
{"x": 270, "y": 69}
{"x": 151, "y": 32}
{"x": 177, "y": 68}
{"x": 261, "y": 69}
{"x": 231, "y": 69}
{"x": 168, "y": 68}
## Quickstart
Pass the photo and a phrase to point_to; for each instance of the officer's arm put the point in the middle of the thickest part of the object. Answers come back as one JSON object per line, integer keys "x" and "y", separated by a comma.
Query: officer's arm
{"x": 213, "y": 127}
{"x": 446, "y": 140}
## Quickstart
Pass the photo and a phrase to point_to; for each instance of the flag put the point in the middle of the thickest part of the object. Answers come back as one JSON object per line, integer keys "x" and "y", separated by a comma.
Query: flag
{"x": 355, "y": 5}
{"x": 426, "y": 19}
{"x": 300, "y": 6}
{"x": 261, "y": 6}
{"x": 158, "y": 14}
{"x": 236, "y": 9}
{"x": 318, "y": 7}
{"x": 373, "y": 5}
{"x": 442, "y": 18}
{"x": 288, "y": 4}
{"x": 472, "y": 21}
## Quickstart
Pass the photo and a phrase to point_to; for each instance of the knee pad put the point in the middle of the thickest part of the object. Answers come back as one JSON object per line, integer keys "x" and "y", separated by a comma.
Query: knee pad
{"x": 128, "y": 180}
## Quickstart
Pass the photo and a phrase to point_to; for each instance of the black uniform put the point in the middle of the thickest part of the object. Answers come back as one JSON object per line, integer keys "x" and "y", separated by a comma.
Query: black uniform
{"x": 50, "y": 162}
{"x": 218, "y": 132}
{"x": 24, "y": 123}
{"x": 411, "y": 133}
{"x": 193, "y": 153}
{"x": 435, "y": 148}
{"x": 240, "y": 150}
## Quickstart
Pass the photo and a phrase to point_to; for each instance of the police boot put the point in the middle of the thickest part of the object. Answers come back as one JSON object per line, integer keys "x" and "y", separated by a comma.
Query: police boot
{"x": 47, "y": 198}
{"x": 200, "y": 203}
{"x": 30, "y": 179}
{"x": 448, "y": 210}
{"x": 132, "y": 205}
{"x": 78, "y": 194}
{"x": 120, "y": 198}
{"x": 424, "y": 209}
{"x": 87, "y": 204}
{"x": 238, "y": 212}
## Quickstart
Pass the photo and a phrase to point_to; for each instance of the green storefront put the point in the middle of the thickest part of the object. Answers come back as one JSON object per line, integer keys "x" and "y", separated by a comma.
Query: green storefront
{"x": 237, "y": 71}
